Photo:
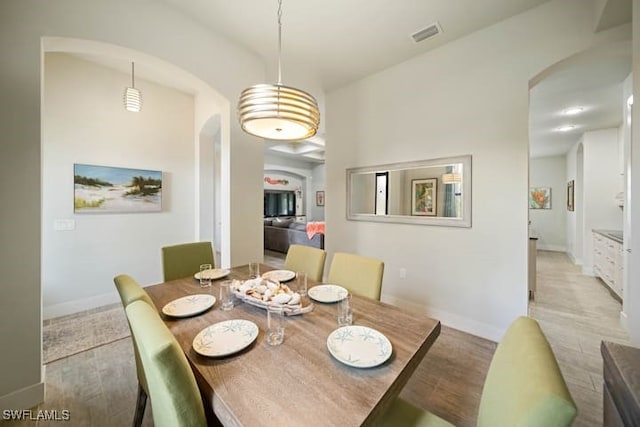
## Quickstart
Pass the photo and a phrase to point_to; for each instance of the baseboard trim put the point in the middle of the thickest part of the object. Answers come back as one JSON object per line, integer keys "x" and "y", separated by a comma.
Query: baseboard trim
{"x": 624, "y": 321}
{"x": 75, "y": 306}
{"x": 574, "y": 260}
{"x": 25, "y": 398}
{"x": 552, "y": 248}
{"x": 451, "y": 320}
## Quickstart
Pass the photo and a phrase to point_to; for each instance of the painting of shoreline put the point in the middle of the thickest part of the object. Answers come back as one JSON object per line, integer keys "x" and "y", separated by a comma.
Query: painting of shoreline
{"x": 104, "y": 189}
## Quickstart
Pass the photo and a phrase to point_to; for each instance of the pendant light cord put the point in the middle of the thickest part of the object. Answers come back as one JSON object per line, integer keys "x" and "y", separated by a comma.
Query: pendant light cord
{"x": 279, "y": 42}
{"x": 132, "y": 71}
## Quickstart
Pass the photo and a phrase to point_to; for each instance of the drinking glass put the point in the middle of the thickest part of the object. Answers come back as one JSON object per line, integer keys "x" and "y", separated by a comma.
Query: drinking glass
{"x": 205, "y": 275}
{"x": 301, "y": 278}
{"x": 345, "y": 311}
{"x": 254, "y": 270}
{"x": 226, "y": 299}
{"x": 275, "y": 325}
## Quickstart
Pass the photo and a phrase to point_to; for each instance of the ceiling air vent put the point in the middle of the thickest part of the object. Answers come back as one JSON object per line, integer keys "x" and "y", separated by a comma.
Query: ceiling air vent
{"x": 430, "y": 31}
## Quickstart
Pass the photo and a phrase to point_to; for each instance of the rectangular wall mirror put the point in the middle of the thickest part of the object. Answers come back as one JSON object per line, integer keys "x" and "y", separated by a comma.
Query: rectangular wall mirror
{"x": 426, "y": 192}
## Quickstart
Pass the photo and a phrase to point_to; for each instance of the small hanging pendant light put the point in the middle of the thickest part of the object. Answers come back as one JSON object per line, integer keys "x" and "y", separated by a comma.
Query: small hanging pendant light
{"x": 276, "y": 111}
{"x": 132, "y": 96}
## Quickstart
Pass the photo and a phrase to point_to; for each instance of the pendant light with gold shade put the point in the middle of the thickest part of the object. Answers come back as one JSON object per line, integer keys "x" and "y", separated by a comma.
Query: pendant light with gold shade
{"x": 278, "y": 112}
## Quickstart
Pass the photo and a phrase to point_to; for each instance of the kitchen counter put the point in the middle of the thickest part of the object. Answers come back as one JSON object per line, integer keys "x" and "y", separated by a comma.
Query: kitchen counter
{"x": 621, "y": 384}
{"x": 611, "y": 234}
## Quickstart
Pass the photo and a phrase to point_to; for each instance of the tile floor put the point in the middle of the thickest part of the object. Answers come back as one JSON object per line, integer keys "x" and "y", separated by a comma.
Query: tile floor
{"x": 577, "y": 312}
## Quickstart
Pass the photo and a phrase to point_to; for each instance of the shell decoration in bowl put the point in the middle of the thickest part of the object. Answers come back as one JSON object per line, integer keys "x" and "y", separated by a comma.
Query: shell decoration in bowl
{"x": 266, "y": 292}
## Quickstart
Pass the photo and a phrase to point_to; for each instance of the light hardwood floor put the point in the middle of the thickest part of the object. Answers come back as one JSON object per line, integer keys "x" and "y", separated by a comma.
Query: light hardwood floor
{"x": 98, "y": 386}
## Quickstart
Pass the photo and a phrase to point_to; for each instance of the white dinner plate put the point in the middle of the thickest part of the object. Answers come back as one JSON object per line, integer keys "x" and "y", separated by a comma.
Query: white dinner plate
{"x": 213, "y": 273}
{"x": 327, "y": 293}
{"x": 279, "y": 275}
{"x": 359, "y": 346}
{"x": 224, "y": 338}
{"x": 189, "y": 305}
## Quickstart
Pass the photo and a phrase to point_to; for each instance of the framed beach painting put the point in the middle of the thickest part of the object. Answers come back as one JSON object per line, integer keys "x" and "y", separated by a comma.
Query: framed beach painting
{"x": 424, "y": 196}
{"x": 105, "y": 189}
{"x": 540, "y": 198}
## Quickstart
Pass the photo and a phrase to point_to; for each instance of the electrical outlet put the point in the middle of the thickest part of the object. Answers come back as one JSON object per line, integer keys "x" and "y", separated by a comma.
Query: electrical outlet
{"x": 403, "y": 273}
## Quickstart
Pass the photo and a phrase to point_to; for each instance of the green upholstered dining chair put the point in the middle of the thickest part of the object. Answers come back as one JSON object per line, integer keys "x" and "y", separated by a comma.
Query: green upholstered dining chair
{"x": 307, "y": 259}
{"x": 360, "y": 275}
{"x": 131, "y": 291}
{"x": 524, "y": 387}
{"x": 175, "y": 397}
{"x": 184, "y": 260}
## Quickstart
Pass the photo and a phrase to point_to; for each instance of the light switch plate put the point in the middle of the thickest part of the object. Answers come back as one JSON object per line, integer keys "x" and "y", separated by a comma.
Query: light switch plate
{"x": 64, "y": 224}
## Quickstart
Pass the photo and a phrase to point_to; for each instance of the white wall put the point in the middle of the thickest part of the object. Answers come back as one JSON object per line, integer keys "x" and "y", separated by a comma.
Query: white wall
{"x": 601, "y": 183}
{"x": 160, "y": 32}
{"x": 549, "y": 225}
{"x": 315, "y": 212}
{"x": 468, "y": 97}
{"x": 627, "y": 219}
{"x": 574, "y": 219}
{"x": 632, "y": 302}
{"x": 84, "y": 121}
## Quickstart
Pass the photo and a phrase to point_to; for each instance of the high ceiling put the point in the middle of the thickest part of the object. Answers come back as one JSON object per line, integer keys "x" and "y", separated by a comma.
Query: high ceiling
{"x": 331, "y": 43}
{"x": 340, "y": 41}
{"x": 335, "y": 42}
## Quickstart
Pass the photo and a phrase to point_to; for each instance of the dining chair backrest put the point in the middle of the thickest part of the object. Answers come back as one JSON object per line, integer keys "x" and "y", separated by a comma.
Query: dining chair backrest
{"x": 524, "y": 385}
{"x": 360, "y": 275}
{"x": 306, "y": 258}
{"x": 174, "y": 393}
{"x": 184, "y": 260}
{"x": 130, "y": 290}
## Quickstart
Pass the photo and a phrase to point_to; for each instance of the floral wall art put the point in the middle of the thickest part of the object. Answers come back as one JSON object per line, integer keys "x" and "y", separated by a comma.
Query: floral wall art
{"x": 540, "y": 198}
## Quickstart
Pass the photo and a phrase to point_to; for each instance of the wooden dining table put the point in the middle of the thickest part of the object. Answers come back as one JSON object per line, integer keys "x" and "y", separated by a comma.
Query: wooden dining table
{"x": 297, "y": 383}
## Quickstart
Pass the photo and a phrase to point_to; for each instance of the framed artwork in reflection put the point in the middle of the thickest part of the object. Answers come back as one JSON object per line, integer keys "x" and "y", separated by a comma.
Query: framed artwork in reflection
{"x": 424, "y": 197}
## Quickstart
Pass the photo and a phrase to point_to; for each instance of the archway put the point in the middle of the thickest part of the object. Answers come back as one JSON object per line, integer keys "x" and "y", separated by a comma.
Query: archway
{"x": 185, "y": 158}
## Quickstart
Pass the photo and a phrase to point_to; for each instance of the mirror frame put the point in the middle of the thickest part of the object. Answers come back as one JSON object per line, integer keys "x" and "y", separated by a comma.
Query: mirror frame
{"x": 465, "y": 221}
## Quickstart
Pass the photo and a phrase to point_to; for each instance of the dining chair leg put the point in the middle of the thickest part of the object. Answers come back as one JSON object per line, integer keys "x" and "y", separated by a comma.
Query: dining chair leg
{"x": 141, "y": 402}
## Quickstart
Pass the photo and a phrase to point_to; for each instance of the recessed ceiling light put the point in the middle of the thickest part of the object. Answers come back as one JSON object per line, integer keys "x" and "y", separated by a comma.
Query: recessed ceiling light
{"x": 573, "y": 111}
{"x": 565, "y": 128}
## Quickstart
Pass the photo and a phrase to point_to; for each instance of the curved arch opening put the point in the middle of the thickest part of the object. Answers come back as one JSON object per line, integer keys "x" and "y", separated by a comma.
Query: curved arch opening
{"x": 184, "y": 122}
{"x": 587, "y": 150}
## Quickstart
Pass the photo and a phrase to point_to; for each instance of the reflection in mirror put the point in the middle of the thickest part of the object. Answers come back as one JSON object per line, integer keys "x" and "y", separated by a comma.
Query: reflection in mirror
{"x": 435, "y": 192}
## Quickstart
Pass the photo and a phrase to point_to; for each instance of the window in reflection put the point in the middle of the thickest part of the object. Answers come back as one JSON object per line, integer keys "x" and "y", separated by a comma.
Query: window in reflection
{"x": 382, "y": 192}
{"x": 452, "y": 181}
